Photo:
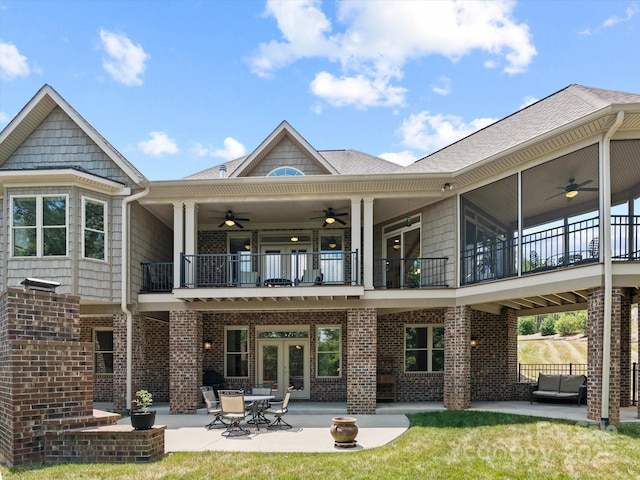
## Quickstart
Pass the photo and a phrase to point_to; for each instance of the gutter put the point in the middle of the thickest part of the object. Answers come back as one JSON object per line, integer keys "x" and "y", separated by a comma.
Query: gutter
{"x": 608, "y": 281}
{"x": 124, "y": 285}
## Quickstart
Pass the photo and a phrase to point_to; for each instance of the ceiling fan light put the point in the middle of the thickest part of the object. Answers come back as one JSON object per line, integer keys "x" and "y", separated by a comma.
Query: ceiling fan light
{"x": 247, "y": 245}
{"x": 229, "y": 222}
{"x": 571, "y": 194}
{"x": 330, "y": 220}
{"x": 332, "y": 243}
{"x": 294, "y": 238}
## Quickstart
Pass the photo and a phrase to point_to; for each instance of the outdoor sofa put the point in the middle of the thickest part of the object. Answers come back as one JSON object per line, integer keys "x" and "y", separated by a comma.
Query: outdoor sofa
{"x": 559, "y": 387}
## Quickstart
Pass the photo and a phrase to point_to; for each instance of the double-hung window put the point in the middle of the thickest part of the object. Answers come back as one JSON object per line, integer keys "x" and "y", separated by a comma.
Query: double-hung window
{"x": 94, "y": 226}
{"x": 236, "y": 349}
{"x": 424, "y": 348}
{"x": 39, "y": 225}
{"x": 329, "y": 346}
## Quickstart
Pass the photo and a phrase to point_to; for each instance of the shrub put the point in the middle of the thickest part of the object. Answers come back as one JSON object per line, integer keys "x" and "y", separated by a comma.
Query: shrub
{"x": 567, "y": 324}
{"x": 548, "y": 326}
{"x": 526, "y": 326}
{"x": 583, "y": 325}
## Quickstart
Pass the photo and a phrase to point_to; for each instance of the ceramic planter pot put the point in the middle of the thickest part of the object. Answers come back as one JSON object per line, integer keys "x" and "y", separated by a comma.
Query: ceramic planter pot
{"x": 344, "y": 431}
{"x": 143, "y": 421}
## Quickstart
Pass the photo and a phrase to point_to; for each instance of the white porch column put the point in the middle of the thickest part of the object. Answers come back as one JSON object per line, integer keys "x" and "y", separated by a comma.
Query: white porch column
{"x": 191, "y": 228}
{"x": 178, "y": 243}
{"x": 356, "y": 236}
{"x": 367, "y": 244}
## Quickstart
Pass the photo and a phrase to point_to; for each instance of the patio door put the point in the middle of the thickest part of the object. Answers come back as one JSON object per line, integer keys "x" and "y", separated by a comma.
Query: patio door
{"x": 286, "y": 263}
{"x": 284, "y": 363}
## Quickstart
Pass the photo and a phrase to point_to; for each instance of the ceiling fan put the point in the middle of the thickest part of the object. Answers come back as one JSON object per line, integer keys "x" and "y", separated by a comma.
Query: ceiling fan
{"x": 230, "y": 220}
{"x": 572, "y": 189}
{"x": 331, "y": 217}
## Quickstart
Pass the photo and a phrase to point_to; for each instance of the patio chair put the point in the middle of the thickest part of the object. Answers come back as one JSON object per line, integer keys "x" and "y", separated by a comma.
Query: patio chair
{"x": 213, "y": 406}
{"x": 249, "y": 279}
{"x": 234, "y": 411}
{"x": 279, "y": 409}
{"x": 259, "y": 408}
{"x": 312, "y": 277}
{"x": 594, "y": 247}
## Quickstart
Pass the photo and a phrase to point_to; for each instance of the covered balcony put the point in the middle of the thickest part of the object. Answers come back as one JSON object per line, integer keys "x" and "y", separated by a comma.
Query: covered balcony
{"x": 550, "y": 217}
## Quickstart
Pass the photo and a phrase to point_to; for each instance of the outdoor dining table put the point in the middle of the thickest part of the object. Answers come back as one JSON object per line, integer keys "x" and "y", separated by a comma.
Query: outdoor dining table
{"x": 256, "y": 402}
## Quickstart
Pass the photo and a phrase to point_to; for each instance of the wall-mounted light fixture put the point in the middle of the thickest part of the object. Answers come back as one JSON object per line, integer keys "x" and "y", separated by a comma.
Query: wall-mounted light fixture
{"x": 208, "y": 344}
{"x": 447, "y": 186}
{"x": 474, "y": 342}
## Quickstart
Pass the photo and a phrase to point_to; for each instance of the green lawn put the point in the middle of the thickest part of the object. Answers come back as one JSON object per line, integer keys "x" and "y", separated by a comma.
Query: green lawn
{"x": 441, "y": 445}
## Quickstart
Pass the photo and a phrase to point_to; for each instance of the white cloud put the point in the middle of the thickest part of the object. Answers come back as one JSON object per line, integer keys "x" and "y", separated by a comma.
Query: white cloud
{"x": 630, "y": 12}
{"x": 443, "y": 87}
{"x": 12, "y": 63}
{"x": 232, "y": 149}
{"x": 428, "y": 133}
{"x": 125, "y": 61}
{"x": 528, "y": 100}
{"x": 159, "y": 145}
{"x": 403, "y": 158}
{"x": 379, "y": 38}
{"x": 359, "y": 91}
{"x": 4, "y": 118}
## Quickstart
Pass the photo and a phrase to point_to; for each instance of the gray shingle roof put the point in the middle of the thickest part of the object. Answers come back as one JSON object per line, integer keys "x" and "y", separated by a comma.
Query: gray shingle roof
{"x": 556, "y": 110}
{"x": 346, "y": 162}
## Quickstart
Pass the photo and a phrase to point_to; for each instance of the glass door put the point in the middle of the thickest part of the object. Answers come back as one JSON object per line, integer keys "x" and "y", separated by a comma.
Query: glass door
{"x": 284, "y": 363}
{"x": 402, "y": 263}
{"x": 283, "y": 265}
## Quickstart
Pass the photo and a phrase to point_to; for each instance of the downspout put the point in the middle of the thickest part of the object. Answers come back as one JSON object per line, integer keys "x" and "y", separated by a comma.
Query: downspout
{"x": 124, "y": 285}
{"x": 608, "y": 281}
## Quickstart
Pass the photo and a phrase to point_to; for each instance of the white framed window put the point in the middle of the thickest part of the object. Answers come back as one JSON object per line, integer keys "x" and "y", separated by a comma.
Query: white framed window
{"x": 424, "y": 348}
{"x": 285, "y": 172}
{"x": 236, "y": 352}
{"x": 103, "y": 350}
{"x": 39, "y": 226}
{"x": 94, "y": 222}
{"x": 329, "y": 351}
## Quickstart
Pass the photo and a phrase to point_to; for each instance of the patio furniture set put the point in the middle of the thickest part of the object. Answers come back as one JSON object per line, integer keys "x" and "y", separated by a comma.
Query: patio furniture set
{"x": 233, "y": 407}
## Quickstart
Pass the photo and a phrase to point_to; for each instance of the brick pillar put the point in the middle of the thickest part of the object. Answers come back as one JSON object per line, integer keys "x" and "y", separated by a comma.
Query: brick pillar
{"x": 185, "y": 361}
{"x": 362, "y": 334}
{"x": 457, "y": 358}
{"x": 595, "y": 312}
{"x": 46, "y": 372}
{"x": 625, "y": 350}
{"x": 511, "y": 327}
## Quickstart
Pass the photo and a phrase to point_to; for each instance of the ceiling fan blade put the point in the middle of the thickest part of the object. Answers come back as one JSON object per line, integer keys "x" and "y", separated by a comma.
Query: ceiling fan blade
{"x": 340, "y": 214}
{"x": 324, "y": 224}
{"x": 589, "y": 189}
{"x": 585, "y": 183}
{"x": 556, "y": 195}
{"x": 238, "y": 224}
{"x": 222, "y": 224}
{"x": 242, "y": 219}
{"x": 340, "y": 221}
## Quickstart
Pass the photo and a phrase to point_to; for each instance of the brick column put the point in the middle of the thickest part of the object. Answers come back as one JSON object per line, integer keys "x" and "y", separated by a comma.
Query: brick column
{"x": 362, "y": 335}
{"x": 46, "y": 372}
{"x": 595, "y": 312}
{"x": 625, "y": 350}
{"x": 457, "y": 358}
{"x": 185, "y": 361}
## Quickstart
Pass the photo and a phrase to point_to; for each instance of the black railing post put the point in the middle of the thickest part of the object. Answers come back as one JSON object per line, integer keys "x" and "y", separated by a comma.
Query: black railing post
{"x": 570, "y": 368}
{"x": 519, "y": 372}
{"x": 634, "y": 384}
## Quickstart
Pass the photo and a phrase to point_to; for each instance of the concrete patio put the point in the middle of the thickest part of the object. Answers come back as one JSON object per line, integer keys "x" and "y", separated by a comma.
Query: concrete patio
{"x": 311, "y": 422}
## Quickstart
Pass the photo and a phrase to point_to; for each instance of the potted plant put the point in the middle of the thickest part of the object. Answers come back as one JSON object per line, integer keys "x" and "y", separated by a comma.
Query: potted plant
{"x": 144, "y": 418}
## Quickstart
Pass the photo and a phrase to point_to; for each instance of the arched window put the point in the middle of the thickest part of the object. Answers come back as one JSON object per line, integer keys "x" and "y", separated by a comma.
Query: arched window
{"x": 285, "y": 172}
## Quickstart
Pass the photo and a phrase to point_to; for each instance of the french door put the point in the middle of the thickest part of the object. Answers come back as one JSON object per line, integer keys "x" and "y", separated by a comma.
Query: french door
{"x": 284, "y": 363}
{"x": 285, "y": 263}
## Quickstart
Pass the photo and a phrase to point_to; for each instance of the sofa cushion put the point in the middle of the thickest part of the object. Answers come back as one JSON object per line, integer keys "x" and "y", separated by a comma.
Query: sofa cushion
{"x": 571, "y": 383}
{"x": 544, "y": 393}
{"x": 549, "y": 382}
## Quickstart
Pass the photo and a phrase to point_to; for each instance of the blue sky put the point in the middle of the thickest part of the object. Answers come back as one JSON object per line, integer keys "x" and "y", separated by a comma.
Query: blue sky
{"x": 180, "y": 86}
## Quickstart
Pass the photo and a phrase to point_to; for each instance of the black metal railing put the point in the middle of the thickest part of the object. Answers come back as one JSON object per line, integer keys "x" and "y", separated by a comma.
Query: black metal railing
{"x": 270, "y": 269}
{"x": 528, "y": 372}
{"x": 157, "y": 276}
{"x": 625, "y": 237}
{"x": 421, "y": 272}
{"x": 491, "y": 259}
